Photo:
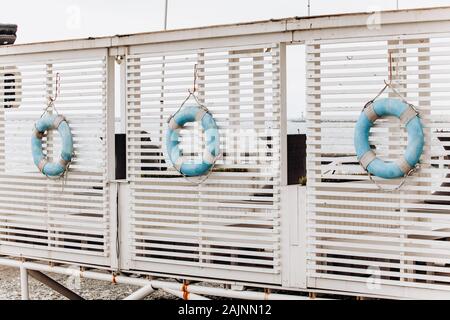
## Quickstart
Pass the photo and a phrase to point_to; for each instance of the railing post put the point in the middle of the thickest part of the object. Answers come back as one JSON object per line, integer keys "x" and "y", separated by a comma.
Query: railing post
{"x": 24, "y": 283}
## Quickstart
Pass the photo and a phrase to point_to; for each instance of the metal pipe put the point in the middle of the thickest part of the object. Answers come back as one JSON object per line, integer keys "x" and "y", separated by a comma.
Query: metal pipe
{"x": 78, "y": 273}
{"x": 201, "y": 290}
{"x": 166, "y": 7}
{"x": 24, "y": 289}
{"x": 141, "y": 293}
{"x": 155, "y": 284}
{"x": 54, "y": 285}
{"x": 184, "y": 295}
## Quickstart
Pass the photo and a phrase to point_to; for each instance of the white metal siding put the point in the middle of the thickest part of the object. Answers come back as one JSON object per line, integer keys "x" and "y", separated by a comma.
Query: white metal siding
{"x": 356, "y": 232}
{"x": 47, "y": 218}
{"x": 227, "y": 227}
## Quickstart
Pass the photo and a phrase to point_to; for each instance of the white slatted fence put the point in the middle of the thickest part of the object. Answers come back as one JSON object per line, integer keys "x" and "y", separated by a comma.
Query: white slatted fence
{"x": 357, "y": 233}
{"x": 229, "y": 226}
{"x": 65, "y": 219}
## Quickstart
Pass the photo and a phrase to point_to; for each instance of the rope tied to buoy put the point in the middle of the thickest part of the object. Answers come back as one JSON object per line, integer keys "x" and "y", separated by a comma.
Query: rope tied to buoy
{"x": 406, "y": 112}
{"x": 399, "y": 186}
{"x": 199, "y": 117}
{"x": 53, "y": 121}
{"x": 369, "y": 156}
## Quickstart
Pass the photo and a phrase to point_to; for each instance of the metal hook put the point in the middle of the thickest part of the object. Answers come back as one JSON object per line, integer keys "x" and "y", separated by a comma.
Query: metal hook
{"x": 390, "y": 68}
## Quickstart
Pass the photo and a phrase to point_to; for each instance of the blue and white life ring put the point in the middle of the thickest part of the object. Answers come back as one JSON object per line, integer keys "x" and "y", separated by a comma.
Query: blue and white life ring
{"x": 52, "y": 169}
{"x": 366, "y": 156}
{"x": 212, "y": 141}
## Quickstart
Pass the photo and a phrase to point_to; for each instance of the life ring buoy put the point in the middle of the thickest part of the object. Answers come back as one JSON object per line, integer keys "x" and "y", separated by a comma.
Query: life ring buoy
{"x": 212, "y": 141}
{"x": 52, "y": 169}
{"x": 408, "y": 117}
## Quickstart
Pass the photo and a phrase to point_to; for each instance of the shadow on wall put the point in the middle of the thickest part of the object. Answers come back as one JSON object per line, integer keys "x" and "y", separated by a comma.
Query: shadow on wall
{"x": 121, "y": 159}
{"x": 296, "y": 158}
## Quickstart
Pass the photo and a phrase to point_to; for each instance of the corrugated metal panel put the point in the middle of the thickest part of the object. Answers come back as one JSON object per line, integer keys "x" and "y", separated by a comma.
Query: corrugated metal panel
{"x": 357, "y": 232}
{"x": 231, "y": 222}
{"x": 47, "y": 218}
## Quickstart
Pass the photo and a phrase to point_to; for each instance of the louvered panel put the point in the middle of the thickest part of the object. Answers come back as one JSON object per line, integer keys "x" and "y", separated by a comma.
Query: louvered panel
{"x": 231, "y": 221}
{"x": 357, "y": 232}
{"x": 65, "y": 219}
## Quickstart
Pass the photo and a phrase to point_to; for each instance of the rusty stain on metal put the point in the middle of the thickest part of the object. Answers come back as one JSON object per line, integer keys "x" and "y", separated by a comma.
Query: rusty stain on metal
{"x": 266, "y": 293}
{"x": 185, "y": 290}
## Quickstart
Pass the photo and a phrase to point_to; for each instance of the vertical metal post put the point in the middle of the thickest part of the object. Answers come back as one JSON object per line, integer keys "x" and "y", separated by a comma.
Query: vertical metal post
{"x": 3, "y": 118}
{"x": 309, "y": 8}
{"x": 109, "y": 83}
{"x": 110, "y": 106}
{"x": 50, "y": 91}
{"x": 313, "y": 116}
{"x": 24, "y": 283}
{"x": 283, "y": 116}
{"x": 163, "y": 73}
{"x": 123, "y": 92}
{"x": 54, "y": 285}
{"x": 166, "y": 7}
{"x": 232, "y": 144}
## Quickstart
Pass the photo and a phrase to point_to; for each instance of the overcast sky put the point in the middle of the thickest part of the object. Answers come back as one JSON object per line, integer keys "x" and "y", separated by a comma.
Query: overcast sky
{"x": 45, "y": 20}
{"x": 51, "y": 20}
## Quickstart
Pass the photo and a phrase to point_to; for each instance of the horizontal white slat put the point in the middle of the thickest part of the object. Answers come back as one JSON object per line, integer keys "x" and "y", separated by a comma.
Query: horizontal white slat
{"x": 214, "y": 235}
{"x": 182, "y": 197}
{"x": 209, "y": 265}
{"x": 134, "y": 60}
{"x": 167, "y": 83}
{"x": 35, "y": 211}
{"x": 205, "y": 249}
{"x": 50, "y": 234}
{"x": 224, "y": 204}
{"x": 227, "y": 212}
{"x": 225, "y": 228}
{"x": 52, "y": 228}
{"x": 381, "y": 264}
{"x": 161, "y": 254}
{"x": 382, "y": 273}
{"x": 207, "y": 243}
{"x": 50, "y": 242}
{"x": 380, "y": 238}
{"x": 53, "y": 248}
{"x": 392, "y": 248}
{"x": 369, "y": 254}
{"x": 168, "y": 67}
{"x": 219, "y": 221}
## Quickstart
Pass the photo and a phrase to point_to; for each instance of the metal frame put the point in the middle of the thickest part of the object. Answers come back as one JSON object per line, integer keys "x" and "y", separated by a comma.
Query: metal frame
{"x": 361, "y": 237}
{"x": 148, "y": 188}
{"x": 184, "y": 290}
{"x": 45, "y": 202}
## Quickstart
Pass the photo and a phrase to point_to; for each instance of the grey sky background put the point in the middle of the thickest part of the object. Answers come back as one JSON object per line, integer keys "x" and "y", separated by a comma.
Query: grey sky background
{"x": 52, "y": 20}
{"x": 47, "y": 20}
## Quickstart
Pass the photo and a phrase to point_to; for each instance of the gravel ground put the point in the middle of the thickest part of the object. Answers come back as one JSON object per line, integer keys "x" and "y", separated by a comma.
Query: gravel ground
{"x": 87, "y": 288}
